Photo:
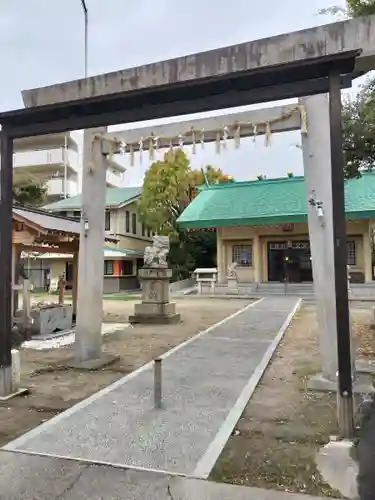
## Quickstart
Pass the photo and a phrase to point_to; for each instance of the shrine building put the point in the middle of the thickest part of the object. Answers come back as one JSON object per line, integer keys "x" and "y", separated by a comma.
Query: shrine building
{"x": 262, "y": 226}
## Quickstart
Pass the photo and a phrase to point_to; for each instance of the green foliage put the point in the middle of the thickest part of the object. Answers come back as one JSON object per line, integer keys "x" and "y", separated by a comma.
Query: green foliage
{"x": 359, "y": 131}
{"x": 168, "y": 187}
{"x": 192, "y": 250}
{"x": 354, "y": 8}
{"x": 29, "y": 194}
{"x": 165, "y": 193}
{"x": 357, "y": 8}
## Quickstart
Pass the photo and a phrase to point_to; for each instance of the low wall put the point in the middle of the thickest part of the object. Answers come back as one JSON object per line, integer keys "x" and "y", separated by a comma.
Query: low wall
{"x": 116, "y": 284}
{"x": 180, "y": 285}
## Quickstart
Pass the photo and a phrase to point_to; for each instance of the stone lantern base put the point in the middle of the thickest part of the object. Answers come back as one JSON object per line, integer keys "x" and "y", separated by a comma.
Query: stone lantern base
{"x": 155, "y": 307}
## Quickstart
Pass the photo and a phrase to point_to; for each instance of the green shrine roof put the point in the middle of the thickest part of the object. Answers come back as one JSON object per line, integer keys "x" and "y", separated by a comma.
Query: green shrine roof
{"x": 115, "y": 196}
{"x": 271, "y": 201}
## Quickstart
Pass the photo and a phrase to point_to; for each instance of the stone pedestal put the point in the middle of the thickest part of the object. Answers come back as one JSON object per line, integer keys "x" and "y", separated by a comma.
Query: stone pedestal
{"x": 48, "y": 320}
{"x": 155, "y": 307}
{"x": 232, "y": 284}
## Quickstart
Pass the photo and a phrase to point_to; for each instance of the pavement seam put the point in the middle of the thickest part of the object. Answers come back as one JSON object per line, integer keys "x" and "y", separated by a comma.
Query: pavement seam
{"x": 99, "y": 463}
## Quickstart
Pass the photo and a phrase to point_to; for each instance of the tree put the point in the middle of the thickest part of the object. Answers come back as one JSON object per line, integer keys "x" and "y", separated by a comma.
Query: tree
{"x": 31, "y": 194}
{"x": 359, "y": 130}
{"x": 165, "y": 193}
{"x": 354, "y": 8}
{"x": 358, "y": 113}
{"x": 168, "y": 187}
{"x": 357, "y": 8}
{"x": 212, "y": 174}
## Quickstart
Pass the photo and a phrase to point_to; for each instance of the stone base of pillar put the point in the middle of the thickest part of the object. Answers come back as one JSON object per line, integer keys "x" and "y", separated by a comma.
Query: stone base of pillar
{"x": 155, "y": 307}
{"x": 338, "y": 468}
{"x": 362, "y": 384}
{"x": 154, "y": 319}
{"x": 373, "y": 318}
{"x": 365, "y": 366}
{"x": 93, "y": 364}
{"x": 8, "y": 388}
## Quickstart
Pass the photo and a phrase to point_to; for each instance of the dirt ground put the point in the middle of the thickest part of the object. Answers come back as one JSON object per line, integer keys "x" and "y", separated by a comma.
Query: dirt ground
{"x": 282, "y": 427}
{"x": 54, "y": 388}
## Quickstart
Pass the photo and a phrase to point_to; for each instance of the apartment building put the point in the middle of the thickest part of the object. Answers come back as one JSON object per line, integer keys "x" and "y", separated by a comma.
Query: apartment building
{"x": 56, "y": 159}
{"x": 121, "y": 260}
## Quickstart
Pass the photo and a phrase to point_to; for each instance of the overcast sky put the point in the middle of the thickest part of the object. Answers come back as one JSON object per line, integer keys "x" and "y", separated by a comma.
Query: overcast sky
{"x": 43, "y": 43}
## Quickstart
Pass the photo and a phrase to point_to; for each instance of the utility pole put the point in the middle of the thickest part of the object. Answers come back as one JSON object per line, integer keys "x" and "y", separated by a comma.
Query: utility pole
{"x": 85, "y": 13}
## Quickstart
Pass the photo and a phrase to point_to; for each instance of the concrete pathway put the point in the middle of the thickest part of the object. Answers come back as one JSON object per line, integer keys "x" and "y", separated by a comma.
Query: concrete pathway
{"x": 25, "y": 477}
{"x": 207, "y": 381}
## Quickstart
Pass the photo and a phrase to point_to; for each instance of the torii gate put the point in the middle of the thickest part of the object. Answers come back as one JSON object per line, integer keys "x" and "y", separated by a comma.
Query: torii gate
{"x": 308, "y": 62}
{"x": 311, "y": 117}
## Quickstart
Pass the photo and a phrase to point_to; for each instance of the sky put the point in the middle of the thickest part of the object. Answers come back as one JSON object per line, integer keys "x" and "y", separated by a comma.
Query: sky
{"x": 43, "y": 43}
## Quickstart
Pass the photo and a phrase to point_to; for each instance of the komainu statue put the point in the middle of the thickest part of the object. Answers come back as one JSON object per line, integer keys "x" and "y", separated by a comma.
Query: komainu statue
{"x": 156, "y": 256}
{"x": 231, "y": 272}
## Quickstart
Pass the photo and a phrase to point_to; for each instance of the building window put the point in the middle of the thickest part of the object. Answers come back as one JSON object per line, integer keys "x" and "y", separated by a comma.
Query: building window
{"x": 107, "y": 226}
{"x": 134, "y": 223}
{"x": 108, "y": 267}
{"x": 76, "y": 215}
{"x": 242, "y": 255}
{"x": 143, "y": 229}
{"x": 127, "y": 268}
{"x": 149, "y": 233}
{"x": 351, "y": 253}
{"x": 127, "y": 222}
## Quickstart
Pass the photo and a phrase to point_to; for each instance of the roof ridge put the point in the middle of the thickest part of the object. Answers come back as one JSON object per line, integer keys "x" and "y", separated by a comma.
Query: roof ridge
{"x": 269, "y": 202}
{"x": 42, "y": 211}
{"x": 274, "y": 180}
{"x": 112, "y": 194}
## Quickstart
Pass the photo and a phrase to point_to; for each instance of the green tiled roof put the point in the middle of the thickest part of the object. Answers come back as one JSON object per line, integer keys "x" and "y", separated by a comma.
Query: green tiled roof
{"x": 272, "y": 201}
{"x": 114, "y": 196}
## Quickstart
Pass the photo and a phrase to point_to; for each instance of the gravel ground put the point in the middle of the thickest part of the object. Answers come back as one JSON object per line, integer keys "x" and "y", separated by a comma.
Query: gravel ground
{"x": 282, "y": 427}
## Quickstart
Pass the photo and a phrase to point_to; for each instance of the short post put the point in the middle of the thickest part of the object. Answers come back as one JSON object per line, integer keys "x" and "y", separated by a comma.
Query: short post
{"x": 16, "y": 369}
{"x": 26, "y": 303}
{"x": 61, "y": 286}
{"x": 157, "y": 383}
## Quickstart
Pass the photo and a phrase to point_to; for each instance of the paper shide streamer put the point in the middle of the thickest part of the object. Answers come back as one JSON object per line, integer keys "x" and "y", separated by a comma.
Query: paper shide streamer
{"x": 220, "y": 137}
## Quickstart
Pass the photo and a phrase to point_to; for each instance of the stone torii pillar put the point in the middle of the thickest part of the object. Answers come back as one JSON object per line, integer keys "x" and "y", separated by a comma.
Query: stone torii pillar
{"x": 88, "y": 341}
{"x": 318, "y": 177}
{"x": 317, "y": 171}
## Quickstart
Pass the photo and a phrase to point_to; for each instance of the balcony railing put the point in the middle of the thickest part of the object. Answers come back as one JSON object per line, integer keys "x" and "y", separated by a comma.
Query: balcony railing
{"x": 45, "y": 157}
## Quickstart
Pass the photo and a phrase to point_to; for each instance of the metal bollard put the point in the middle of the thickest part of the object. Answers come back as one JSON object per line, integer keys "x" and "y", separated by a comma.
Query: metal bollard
{"x": 157, "y": 383}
